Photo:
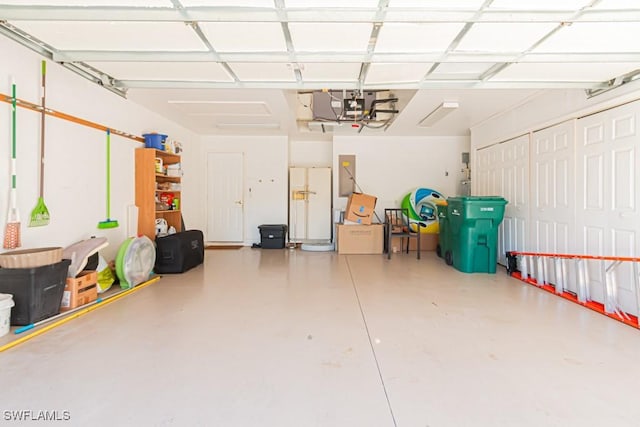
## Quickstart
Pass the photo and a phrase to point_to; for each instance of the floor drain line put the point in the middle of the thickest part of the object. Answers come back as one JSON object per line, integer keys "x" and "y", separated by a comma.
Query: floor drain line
{"x": 373, "y": 350}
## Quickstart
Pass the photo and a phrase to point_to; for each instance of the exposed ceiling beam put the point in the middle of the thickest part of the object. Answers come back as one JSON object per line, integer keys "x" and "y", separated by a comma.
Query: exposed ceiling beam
{"x": 79, "y": 61}
{"x": 279, "y": 4}
{"x": 456, "y": 41}
{"x": 340, "y": 57}
{"x": 325, "y": 14}
{"x": 499, "y": 67}
{"x": 427, "y": 84}
{"x": 49, "y": 52}
{"x": 203, "y": 38}
{"x": 373, "y": 39}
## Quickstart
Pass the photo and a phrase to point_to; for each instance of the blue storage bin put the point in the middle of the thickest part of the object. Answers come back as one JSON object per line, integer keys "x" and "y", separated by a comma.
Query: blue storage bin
{"x": 154, "y": 140}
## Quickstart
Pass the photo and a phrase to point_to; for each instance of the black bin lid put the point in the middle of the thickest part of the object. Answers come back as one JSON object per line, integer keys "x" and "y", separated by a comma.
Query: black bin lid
{"x": 271, "y": 227}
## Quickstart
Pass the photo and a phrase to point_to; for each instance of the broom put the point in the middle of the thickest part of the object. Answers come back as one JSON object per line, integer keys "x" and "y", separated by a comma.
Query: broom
{"x": 40, "y": 214}
{"x": 108, "y": 223}
{"x": 12, "y": 229}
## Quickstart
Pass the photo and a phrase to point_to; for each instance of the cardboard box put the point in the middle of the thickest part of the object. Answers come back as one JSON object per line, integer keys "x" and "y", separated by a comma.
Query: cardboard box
{"x": 80, "y": 290}
{"x": 360, "y": 208}
{"x": 428, "y": 242}
{"x": 360, "y": 239}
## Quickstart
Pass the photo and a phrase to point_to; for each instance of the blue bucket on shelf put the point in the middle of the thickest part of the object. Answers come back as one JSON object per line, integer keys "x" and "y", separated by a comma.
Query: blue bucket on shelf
{"x": 154, "y": 140}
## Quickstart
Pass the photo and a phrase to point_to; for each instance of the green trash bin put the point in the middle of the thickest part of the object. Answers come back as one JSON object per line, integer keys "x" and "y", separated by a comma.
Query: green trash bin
{"x": 472, "y": 228}
{"x": 443, "y": 226}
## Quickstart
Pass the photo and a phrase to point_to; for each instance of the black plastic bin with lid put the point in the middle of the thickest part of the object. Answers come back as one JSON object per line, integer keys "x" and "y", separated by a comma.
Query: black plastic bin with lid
{"x": 272, "y": 236}
{"x": 36, "y": 291}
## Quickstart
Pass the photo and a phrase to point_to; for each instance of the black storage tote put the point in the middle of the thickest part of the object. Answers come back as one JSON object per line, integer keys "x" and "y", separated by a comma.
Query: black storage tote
{"x": 177, "y": 253}
{"x": 272, "y": 236}
{"x": 37, "y": 291}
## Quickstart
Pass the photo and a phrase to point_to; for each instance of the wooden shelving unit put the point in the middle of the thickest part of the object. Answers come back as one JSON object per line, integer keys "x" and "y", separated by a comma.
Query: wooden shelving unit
{"x": 146, "y": 191}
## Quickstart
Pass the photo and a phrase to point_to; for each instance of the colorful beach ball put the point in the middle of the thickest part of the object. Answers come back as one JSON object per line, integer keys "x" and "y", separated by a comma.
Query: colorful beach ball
{"x": 421, "y": 204}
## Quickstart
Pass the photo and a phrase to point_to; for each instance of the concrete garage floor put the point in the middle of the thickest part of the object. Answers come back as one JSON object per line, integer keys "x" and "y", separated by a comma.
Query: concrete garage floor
{"x": 291, "y": 338}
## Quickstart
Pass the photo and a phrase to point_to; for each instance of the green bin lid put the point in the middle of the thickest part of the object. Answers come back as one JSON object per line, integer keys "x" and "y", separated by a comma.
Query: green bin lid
{"x": 474, "y": 199}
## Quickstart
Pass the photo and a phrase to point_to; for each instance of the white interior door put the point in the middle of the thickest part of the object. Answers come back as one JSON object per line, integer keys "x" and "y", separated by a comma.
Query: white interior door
{"x": 607, "y": 218}
{"x": 319, "y": 204}
{"x": 553, "y": 194}
{"x": 224, "y": 197}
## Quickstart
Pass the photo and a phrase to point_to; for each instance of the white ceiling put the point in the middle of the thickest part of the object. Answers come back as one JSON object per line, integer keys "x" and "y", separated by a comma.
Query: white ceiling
{"x": 487, "y": 54}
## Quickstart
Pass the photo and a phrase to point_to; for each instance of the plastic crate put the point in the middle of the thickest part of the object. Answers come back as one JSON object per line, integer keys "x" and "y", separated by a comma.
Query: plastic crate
{"x": 272, "y": 236}
{"x": 37, "y": 292}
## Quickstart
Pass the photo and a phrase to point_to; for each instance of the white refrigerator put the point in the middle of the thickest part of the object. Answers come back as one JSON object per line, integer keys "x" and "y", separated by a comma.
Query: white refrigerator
{"x": 310, "y": 205}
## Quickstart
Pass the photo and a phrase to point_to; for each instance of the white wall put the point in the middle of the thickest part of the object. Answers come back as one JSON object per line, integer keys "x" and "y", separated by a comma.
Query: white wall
{"x": 391, "y": 167}
{"x": 310, "y": 153}
{"x": 75, "y": 185}
{"x": 265, "y": 179}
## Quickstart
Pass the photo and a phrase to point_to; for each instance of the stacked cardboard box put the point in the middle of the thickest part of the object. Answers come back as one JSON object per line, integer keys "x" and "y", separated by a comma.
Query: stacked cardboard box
{"x": 358, "y": 234}
{"x": 428, "y": 242}
{"x": 360, "y": 239}
{"x": 80, "y": 290}
{"x": 360, "y": 208}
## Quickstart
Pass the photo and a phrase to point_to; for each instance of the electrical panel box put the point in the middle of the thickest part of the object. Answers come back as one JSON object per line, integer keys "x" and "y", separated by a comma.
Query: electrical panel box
{"x": 346, "y": 174}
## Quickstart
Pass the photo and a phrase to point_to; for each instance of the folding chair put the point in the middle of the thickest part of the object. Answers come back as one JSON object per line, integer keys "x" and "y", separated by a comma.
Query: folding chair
{"x": 397, "y": 225}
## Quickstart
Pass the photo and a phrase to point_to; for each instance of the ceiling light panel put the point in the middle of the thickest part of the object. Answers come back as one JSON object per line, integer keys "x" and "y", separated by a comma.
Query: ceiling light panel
{"x": 332, "y": 72}
{"x": 594, "y": 37}
{"x": 164, "y": 71}
{"x": 581, "y": 72}
{"x": 503, "y": 37}
{"x": 528, "y": 5}
{"x": 228, "y": 3}
{"x": 257, "y": 72}
{"x": 439, "y": 113}
{"x": 369, "y": 4}
{"x": 330, "y": 37}
{"x": 397, "y": 73}
{"x": 116, "y": 36}
{"x": 245, "y": 36}
{"x": 138, "y": 3}
{"x": 436, "y": 4}
{"x": 416, "y": 37}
